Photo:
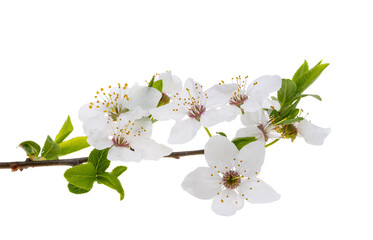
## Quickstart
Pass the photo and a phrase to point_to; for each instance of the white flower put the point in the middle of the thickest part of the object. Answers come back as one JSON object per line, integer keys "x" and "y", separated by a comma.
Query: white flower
{"x": 231, "y": 176}
{"x": 131, "y": 103}
{"x": 192, "y": 103}
{"x": 258, "y": 125}
{"x": 311, "y": 133}
{"x": 128, "y": 140}
{"x": 245, "y": 97}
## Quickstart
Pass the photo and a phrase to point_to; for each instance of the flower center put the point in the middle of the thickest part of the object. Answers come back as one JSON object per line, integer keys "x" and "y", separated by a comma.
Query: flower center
{"x": 238, "y": 99}
{"x": 196, "y": 111}
{"x": 239, "y": 96}
{"x": 113, "y": 103}
{"x": 120, "y": 141}
{"x": 231, "y": 179}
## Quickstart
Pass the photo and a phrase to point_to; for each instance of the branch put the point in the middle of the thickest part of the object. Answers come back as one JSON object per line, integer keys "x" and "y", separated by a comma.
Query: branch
{"x": 76, "y": 161}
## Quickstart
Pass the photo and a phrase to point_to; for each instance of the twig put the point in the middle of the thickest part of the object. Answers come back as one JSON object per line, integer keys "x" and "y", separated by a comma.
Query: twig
{"x": 76, "y": 161}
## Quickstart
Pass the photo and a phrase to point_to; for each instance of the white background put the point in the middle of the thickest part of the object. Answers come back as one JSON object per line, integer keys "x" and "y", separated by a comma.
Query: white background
{"x": 54, "y": 55}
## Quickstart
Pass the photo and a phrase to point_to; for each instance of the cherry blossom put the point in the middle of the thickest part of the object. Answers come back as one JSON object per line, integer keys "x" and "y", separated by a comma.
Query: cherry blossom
{"x": 231, "y": 177}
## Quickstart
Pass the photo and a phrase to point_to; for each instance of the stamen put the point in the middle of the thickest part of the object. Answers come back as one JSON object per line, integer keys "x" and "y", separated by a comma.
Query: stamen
{"x": 231, "y": 179}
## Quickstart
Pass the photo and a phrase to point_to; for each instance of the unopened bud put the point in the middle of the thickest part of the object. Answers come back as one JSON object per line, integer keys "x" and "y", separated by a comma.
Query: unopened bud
{"x": 290, "y": 131}
{"x": 164, "y": 100}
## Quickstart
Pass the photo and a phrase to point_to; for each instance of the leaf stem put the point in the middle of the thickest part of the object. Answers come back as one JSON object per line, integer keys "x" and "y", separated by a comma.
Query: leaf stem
{"x": 208, "y": 132}
{"x": 273, "y": 142}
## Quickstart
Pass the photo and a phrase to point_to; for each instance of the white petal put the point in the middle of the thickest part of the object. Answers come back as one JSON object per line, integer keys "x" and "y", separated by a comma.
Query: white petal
{"x": 134, "y": 114}
{"x": 254, "y": 102}
{"x": 95, "y": 125}
{"x": 86, "y": 113}
{"x": 219, "y": 95}
{"x": 220, "y": 153}
{"x": 202, "y": 183}
{"x": 271, "y": 104}
{"x": 254, "y": 118}
{"x": 150, "y": 149}
{"x": 227, "y": 203}
{"x": 257, "y": 191}
{"x": 265, "y": 84}
{"x": 144, "y": 97}
{"x": 259, "y": 90}
{"x": 311, "y": 133}
{"x": 214, "y": 116}
{"x": 123, "y": 154}
{"x": 171, "y": 83}
{"x": 210, "y": 118}
{"x": 168, "y": 111}
{"x": 250, "y": 131}
{"x": 251, "y": 158}
{"x": 141, "y": 126}
{"x": 99, "y": 141}
{"x": 183, "y": 131}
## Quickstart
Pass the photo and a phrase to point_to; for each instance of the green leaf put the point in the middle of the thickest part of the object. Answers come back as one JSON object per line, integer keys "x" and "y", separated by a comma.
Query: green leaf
{"x": 241, "y": 142}
{"x": 287, "y": 92}
{"x": 112, "y": 182}
{"x": 158, "y": 85}
{"x": 50, "y": 149}
{"x": 99, "y": 160}
{"x": 274, "y": 98}
{"x": 308, "y": 78}
{"x": 311, "y": 95}
{"x": 82, "y": 176}
{"x": 289, "y": 121}
{"x": 116, "y": 172}
{"x": 293, "y": 113}
{"x": 222, "y": 134}
{"x": 31, "y": 148}
{"x": 288, "y": 110}
{"x": 65, "y": 131}
{"x": 151, "y": 81}
{"x": 74, "y": 189}
{"x": 302, "y": 70}
{"x": 73, "y": 145}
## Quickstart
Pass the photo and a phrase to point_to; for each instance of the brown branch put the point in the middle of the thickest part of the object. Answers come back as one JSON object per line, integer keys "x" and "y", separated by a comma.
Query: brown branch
{"x": 76, "y": 161}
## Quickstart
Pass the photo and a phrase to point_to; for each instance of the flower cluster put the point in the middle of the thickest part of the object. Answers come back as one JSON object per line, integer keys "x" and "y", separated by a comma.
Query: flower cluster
{"x": 120, "y": 121}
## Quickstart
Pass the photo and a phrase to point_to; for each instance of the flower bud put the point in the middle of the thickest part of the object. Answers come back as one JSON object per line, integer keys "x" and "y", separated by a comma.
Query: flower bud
{"x": 164, "y": 100}
{"x": 290, "y": 131}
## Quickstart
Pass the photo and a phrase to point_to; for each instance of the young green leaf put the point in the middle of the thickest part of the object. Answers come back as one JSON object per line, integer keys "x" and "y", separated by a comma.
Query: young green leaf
{"x": 274, "y": 98}
{"x": 222, "y": 134}
{"x": 285, "y": 112}
{"x": 311, "y": 95}
{"x": 65, "y": 131}
{"x": 293, "y": 113}
{"x": 158, "y": 85}
{"x": 31, "y": 148}
{"x": 308, "y": 78}
{"x": 99, "y": 160}
{"x": 82, "y": 176}
{"x": 112, "y": 182}
{"x": 50, "y": 149}
{"x": 287, "y": 92}
{"x": 241, "y": 142}
{"x": 289, "y": 121}
{"x": 74, "y": 189}
{"x": 151, "y": 81}
{"x": 73, "y": 145}
{"x": 301, "y": 70}
{"x": 116, "y": 172}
